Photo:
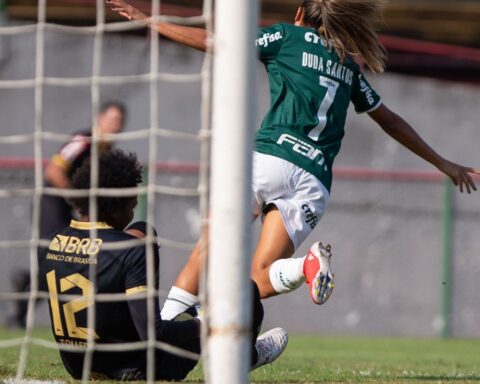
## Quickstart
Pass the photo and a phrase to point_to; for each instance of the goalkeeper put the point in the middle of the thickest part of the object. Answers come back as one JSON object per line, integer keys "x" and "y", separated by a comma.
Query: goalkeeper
{"x": 64, "y": 269}
{"x": 313, "y": 78}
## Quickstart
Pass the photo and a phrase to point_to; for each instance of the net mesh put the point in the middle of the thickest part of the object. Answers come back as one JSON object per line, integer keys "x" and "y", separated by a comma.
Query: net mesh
{"x": 368, "y": 214}
{"x": 153, "y": 188}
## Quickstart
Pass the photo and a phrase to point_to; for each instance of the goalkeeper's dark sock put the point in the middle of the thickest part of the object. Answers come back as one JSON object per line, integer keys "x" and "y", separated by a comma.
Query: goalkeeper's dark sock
{"x": 178, "y": 301}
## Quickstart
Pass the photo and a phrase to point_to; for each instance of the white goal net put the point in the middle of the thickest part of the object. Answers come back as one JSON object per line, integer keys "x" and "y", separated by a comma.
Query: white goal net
{"x": 144, "y": 87}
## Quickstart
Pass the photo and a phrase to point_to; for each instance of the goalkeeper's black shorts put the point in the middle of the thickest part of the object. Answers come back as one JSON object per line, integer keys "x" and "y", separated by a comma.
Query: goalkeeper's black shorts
{"x": 133, "y": 365}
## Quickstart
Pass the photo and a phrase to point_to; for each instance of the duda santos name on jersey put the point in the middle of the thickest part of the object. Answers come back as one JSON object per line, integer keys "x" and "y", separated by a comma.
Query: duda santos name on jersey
{"x": 329, "y": 67}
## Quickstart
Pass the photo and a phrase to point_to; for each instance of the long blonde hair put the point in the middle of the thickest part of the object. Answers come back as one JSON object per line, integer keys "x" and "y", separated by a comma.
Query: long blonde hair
{"x": 350, "y": 27}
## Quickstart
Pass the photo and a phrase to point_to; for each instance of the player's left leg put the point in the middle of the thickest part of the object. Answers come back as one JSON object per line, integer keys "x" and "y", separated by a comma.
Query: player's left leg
{"x": 275, "y": 272}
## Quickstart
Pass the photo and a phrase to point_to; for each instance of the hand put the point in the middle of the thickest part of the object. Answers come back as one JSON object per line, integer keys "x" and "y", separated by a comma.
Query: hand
{"x": 126, "y": 10}
{"x": 460, "y": 175}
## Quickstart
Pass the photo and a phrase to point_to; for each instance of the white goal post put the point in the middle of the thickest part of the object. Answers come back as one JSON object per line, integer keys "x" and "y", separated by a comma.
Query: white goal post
{"x": 229, "y": 293}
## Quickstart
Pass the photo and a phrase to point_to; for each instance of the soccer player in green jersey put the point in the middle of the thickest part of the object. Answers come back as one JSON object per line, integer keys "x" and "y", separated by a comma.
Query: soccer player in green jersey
{"x": 313, "y": 78}
{"x": 64, "y": 269}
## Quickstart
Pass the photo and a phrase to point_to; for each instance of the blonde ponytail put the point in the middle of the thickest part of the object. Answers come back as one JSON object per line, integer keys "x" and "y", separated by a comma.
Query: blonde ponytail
{"x": 349, "y": 25}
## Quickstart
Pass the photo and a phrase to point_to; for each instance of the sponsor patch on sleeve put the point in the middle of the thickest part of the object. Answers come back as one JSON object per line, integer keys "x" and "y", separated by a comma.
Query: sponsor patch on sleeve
{"x": 74, "y": 148}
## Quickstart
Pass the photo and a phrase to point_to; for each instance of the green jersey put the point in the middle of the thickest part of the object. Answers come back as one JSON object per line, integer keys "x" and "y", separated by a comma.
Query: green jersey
{"x": 310, "y": 91}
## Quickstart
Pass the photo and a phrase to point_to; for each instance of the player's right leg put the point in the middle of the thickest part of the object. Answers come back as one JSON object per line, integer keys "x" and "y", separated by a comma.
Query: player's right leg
{"x": 184, "y": 292}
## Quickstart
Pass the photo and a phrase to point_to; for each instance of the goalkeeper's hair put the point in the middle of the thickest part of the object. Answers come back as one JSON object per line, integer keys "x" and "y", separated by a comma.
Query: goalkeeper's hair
{"x": 113, "y": 104}
{"x": 349, "y": 25}
{"x": 117, "y": 169}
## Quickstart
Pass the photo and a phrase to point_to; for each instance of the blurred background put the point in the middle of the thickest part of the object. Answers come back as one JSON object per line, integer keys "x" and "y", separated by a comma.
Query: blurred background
{"x": 406, "y": 245}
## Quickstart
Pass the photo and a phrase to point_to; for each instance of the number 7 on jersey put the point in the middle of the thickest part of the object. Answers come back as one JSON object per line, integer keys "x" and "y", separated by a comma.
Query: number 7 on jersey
{"x": 325, "y": 105}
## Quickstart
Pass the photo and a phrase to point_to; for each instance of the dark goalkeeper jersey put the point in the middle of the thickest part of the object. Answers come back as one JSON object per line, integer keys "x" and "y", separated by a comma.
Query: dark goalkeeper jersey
{"x": 64, "y": 269}
{"x": 310, "y": 91}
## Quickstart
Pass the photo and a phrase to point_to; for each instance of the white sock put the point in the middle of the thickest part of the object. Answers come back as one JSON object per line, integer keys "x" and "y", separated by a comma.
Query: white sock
{"x": 178, "y": 301}
{"x": 287, "y": 274}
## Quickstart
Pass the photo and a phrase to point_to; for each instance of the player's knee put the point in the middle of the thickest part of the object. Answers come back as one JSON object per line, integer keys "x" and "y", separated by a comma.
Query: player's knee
{"x": 260, "y": 270}
{"x": 261, "y": 266}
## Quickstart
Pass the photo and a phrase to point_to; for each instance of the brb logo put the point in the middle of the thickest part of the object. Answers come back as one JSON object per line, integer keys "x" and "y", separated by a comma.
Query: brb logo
{"x": 268, "y": 38}
{"x": 301, "y": 147}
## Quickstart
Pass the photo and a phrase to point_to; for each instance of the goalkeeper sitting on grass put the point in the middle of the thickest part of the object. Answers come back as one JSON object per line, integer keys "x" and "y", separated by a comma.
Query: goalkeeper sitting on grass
{"x": 64, "y": 270}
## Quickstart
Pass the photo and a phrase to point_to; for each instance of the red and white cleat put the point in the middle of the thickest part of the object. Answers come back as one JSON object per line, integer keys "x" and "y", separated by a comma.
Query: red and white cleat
{"x": 319, "y": 276}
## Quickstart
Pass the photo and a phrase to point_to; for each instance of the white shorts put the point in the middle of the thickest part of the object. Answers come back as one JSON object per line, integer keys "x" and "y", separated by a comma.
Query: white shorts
{"x": 299, "y": 196}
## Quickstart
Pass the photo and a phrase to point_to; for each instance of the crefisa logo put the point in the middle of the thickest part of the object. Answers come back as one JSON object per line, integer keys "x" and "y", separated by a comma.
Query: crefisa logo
{"x": 311, "y": 218}
{"x": 268, "y": 38}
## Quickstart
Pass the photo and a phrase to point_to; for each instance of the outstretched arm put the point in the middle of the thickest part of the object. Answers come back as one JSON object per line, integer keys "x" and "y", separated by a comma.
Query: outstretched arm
{"x": 402, "y": 132}
{"x": 189, "y": 36}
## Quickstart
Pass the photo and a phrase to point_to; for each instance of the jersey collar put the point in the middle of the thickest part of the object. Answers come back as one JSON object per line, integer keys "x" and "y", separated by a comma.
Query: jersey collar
{"x": 89, "y": 225}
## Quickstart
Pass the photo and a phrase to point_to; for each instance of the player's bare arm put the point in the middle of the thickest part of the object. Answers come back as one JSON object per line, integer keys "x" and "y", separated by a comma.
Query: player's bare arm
{"x": 192, "y": 37}
{"x": 402, "y": 132}
{"x": 56, "y": 175}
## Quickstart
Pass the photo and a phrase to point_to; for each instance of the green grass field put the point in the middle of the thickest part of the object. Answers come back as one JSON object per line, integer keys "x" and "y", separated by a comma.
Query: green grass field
{"x": 313, "y": 359}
